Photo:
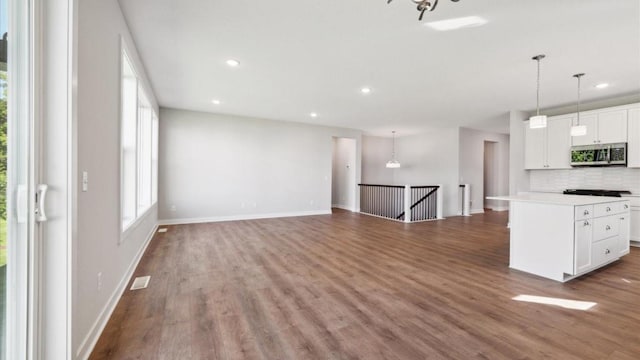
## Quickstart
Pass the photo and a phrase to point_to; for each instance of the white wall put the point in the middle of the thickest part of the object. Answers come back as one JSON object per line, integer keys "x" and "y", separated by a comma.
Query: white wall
{"x": 376, "y": 151}
{"x": 518, "y": 176}
{"x": 343, "y": 180}
{"x": 216, "y": 167}
{"x": 430, "y": 158}
{"x": 97, "y": 247}
{"x": 472, "y": 164}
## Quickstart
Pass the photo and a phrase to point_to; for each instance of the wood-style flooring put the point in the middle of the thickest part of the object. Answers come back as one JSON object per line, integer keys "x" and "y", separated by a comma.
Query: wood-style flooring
{"x": 350, "y": 286}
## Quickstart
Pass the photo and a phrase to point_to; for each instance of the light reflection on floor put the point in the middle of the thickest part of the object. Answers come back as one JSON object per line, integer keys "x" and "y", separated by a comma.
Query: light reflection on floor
{"x": 565, "y": 303}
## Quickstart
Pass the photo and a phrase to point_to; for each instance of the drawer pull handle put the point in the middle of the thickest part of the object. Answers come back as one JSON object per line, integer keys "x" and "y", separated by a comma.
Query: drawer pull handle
{"x": 621, "y": 218}
{"x": 608, "y": 227}
{"x": 586, "y": 212}
{"x": 626, "y": 206}
{"x": 607, "y": 252}
{"x": 608, "y": 209}
{"x": 586, "y": 223}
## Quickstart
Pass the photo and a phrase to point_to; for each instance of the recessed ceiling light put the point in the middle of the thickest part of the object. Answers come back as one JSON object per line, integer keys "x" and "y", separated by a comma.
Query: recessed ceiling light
{"x": 602, "y": 86}
{"x": 215, "y": 102}
{"x": 457, "y": 23}
{"x": 233, "y": 62}
{"x": 313, "y": 115}
{"x": 365, "y": 90}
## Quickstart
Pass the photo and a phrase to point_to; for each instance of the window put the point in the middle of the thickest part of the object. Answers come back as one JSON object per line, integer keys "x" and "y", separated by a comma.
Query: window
{"x": 154, "y": 159}
{"x": 128, "y": 142}
{"x": 139, "y": 147}
{"x": 144, "y": 152}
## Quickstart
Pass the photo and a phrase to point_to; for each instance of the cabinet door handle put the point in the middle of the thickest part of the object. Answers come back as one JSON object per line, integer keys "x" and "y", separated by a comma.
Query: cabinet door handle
{"x": 608, "y": 228}
{"x": 586, "y": 212}
{"x": 586, "y": 223}
{"x": 607, "y": 251}
{"x": 608, "y": 209}
{"x": 622, "y": 218}
{"x": 626, "y": 206}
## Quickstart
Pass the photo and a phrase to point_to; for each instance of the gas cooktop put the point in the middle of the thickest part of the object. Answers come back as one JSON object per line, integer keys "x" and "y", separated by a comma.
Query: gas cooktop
{"x": 614, "y": 193}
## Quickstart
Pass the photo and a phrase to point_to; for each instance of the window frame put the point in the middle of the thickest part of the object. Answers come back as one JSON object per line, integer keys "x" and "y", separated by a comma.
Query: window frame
{"x": 141, "y": 90}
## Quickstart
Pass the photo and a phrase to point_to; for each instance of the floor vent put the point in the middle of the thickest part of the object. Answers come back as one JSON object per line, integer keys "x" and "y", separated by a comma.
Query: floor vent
{"x": 162, "y": 230}
{"x": 140, "y": 282}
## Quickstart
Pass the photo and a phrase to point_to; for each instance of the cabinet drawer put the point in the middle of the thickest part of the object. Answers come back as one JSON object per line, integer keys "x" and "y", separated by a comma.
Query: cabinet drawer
{"x": 610, "y": 208}
{"x": 604, "y": 251}
{"x": 606, "y": 227}
{"x": 584, "y": 212}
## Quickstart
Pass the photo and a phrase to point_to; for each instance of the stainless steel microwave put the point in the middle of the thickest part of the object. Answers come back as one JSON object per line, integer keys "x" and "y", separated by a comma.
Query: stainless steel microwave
{"x": 599, "y": 155}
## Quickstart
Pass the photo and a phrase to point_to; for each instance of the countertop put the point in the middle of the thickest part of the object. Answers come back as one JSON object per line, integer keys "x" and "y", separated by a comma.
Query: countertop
{"x": 558, "y": 199}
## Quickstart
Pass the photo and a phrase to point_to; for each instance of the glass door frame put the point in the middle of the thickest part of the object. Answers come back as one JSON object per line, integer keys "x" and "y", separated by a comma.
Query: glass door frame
{"x": 21, "y": 309}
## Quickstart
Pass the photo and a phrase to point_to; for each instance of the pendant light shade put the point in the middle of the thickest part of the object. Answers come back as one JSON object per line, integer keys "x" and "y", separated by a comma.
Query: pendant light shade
{"x": 393, "y": 163}
{"x": 538, "y": 121}
{"x": 578, "y": 130}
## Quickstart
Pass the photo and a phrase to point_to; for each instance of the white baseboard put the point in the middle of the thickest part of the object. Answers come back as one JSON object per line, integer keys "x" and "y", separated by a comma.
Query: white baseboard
{"x": 343, "y": 207}
{"x": 184, "y": 221}
{"x": 89, "y": 342}
{"x": 498, "y": 208}
{"x": 477, "y": 211}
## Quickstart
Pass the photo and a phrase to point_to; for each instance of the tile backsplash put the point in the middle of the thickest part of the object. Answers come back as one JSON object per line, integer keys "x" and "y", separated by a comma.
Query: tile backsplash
{"x": 610, "y": 178}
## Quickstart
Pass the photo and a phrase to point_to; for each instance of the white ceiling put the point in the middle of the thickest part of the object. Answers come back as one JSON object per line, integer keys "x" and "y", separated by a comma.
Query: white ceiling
{"x": 302, "y": 56}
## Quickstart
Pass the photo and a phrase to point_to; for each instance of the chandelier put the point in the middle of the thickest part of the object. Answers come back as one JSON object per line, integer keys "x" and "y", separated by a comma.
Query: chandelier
{"x": 424, "y": 5}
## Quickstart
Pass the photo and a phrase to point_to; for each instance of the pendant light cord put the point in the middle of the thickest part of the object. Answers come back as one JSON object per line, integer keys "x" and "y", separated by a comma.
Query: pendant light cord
{"x": 393, "y": 146}
{"x": 538, "y": 58}
{"x": 578, "y": 110}
{"x": 579, "y": 77}
{"x": 538, "y": 90}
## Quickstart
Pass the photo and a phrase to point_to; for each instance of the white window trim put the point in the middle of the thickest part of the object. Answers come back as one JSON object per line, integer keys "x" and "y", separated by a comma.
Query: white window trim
{"x": 140, "y": 215}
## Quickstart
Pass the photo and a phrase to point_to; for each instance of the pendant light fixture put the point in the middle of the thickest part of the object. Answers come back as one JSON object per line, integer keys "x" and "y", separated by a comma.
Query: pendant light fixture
{"x": 538, "y": 121}
{"x": 424, "y": 5}
{"x": 578, "y": 130}
{"x": 393, "y": 163}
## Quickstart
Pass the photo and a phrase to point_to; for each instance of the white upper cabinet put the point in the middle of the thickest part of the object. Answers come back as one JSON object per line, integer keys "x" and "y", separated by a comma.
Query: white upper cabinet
{"x": 535, "y": 156}
{"x": 633, "y": 149}
{"x": 603, "y": 128}
{"x": 612, "y": 127}
{"x": 591, "y": 122}
{"x": 550, "y": 147}
{"x": 559, "y": 143}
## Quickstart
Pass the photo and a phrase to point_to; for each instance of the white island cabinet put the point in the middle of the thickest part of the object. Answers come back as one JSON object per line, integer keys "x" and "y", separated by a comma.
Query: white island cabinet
{"x": 561, "y": 237}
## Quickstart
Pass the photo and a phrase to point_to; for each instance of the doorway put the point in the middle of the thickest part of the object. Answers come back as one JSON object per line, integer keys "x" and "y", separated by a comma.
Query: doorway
{"x": 343, "y": 174}
{"x": 490, "y": 177}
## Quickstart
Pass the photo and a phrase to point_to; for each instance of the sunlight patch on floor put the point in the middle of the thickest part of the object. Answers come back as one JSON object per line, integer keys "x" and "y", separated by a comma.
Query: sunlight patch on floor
{"x": 565, "y": 303}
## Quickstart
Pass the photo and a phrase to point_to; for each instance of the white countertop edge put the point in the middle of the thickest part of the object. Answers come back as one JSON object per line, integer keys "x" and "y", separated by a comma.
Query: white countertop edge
{"x": 558, "y": 199}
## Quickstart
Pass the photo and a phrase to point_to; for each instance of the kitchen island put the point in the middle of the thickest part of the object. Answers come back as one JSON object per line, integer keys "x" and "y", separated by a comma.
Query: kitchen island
{"x": 561, "y": 237}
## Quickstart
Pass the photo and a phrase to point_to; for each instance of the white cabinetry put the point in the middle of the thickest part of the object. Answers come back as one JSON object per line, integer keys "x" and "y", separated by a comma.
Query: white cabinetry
{"x": 634, "y": 218}
{"x": 549, "y": 148}
{"x": 591, "y": 137}
{"x": 633, "y": 149}
{"x": 583, "y": 234}
{"x": 561, "y": 237}
{"x": 603, "y": 127}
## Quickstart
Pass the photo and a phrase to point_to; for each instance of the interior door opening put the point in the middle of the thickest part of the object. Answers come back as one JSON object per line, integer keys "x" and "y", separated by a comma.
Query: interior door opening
{"x": 490, "y": 178}
{"x": 343, "y": 174}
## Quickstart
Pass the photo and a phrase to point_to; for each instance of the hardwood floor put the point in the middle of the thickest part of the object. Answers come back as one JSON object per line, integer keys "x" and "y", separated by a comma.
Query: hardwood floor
{"x": 349, "y": 286}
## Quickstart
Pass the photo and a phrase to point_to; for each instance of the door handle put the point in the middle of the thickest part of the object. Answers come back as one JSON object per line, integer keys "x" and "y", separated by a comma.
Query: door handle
{"x": 41, "y": 202}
